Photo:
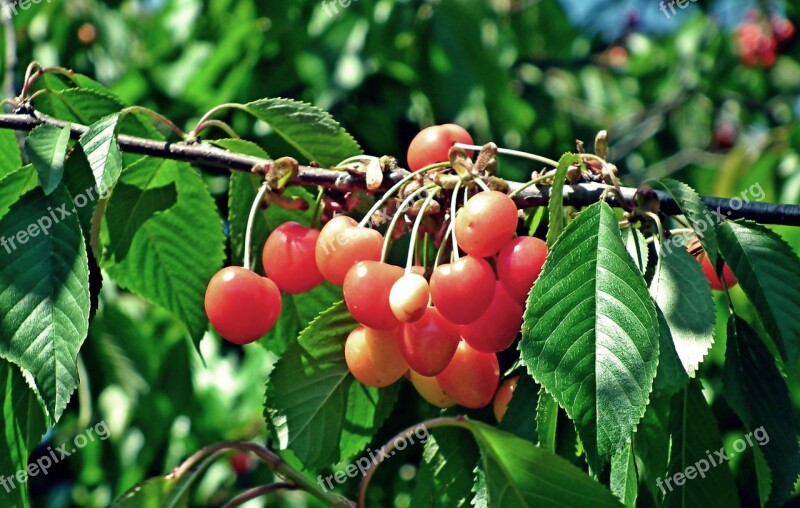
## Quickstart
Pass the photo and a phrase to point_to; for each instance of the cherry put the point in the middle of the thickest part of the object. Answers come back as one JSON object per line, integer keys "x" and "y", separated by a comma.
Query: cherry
{"x": 471, "y": 377}
{"x": 432, "y": 145}
{"x": 429, "y": 343}
{"x": 711, "y": 274}
{"x": 463, "y": 289}
{"x": 374, "y": 357}
{"x": 341, "y": 244}
{"x": 503, "y": 397}
{"x": 519, "y": 264}
{"x": 241, "y": 305}
{"x": 366, "y": 292}
{"x": 409, "y": 297}
{"x": 241, "y": 463}
{"x": 430, "y": 390}
{"x": 486, "y": 223}
{"x": 495, "y": 329}
{"x": 289, "y": 258}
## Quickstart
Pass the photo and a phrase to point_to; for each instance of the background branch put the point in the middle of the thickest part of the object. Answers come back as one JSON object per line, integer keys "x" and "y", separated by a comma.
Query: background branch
{"x": 574, "y": 195}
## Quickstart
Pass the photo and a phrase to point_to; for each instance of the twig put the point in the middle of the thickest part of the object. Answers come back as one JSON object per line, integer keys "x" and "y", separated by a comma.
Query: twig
{"x": 258, "y": 492}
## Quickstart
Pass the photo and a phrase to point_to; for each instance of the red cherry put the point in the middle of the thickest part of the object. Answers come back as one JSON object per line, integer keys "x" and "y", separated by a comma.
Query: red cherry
{"x": 711, "y": 274}
{"x": 289, "y": 258}
{"x": 519, "y": 264}
{"x": 409, "y": 297}
{"x": 471, "y": 377}
{"x": 366, "y": 292}
{"x": 432, "y": 145}
{"x": 241, "y": 463}
{"x": 463, "y": 289}
{"x": 374, "y": 356}
{"x": 486, "y": 223}
{"x": 429, "y": 343}
{"x": 341, "y": 244}
{"x": 241, "y": 305}
{"x": 497, "y": 327}
{"x": 430, "y": 390}
{"x": 503, "y": 397}
{"x": 782, "y": 28}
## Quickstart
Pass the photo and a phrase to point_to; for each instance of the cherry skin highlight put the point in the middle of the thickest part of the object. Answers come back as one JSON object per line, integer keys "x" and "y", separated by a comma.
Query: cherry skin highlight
{"x": 471, "y": 377}
{"x": 374, "y": 357}
{"x": 429, "y": 343}
{"x": 503, "y": 397}
{"x": 409, "y": 297}
{"x": 341, "y": 244}
{"x": 289, "y": 258}
{"x": 486, "y": 223}
{"x": 366, "y": 293}
{"x": 462, "y": 290}
{"x": 519, "y": 264}
{"x": 432, "y": 145}
{"x": 495, "y": 329}
{"x": 241, "y": 305}
{"x": 430, "y": 390}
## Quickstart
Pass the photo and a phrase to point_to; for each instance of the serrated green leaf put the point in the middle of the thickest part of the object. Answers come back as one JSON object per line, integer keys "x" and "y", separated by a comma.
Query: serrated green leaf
{"x": 519, "y": 474}
{"x": 15, "y": 185}
{"x": 314, "y": 405}
{"x": 175, "y": 252}
{"x": 10, "y": 157}
{"x": 637, "y": 247}
{"x": 481, "y": 499}
{"x": 520, "y": 417}
{"x": 312, "y": 131}
{"x": 44, "y": 294}
{"x": 447, "y": 461}
{"x": 671, "y": 376}
{"x": 769, "y": 272}
{"x": 700, "y": 218}
{"x": 755, "y": 389}
{"x": 21, "y": 427}
{"x": 624, "y": 482}
{"x": 102, "y": 151}
{"x": 652, "y": 444}
{"x": 695, "y": 438}
{"x": 546, "y": 420}
{"x": 555, "y": 207}
{"x": 590, "y": 335}
{"x": 683, "y": 295}
{"x": 46, "y": 147}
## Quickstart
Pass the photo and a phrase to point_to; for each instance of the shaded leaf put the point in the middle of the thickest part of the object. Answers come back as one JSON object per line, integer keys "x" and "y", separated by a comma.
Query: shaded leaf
{"x": 15, "y": 185}
{"x": 102, "y": 151}
{"x": 700, "y": 218}
{"x": 624, "y": 482}
{"x": 46, "y": 147}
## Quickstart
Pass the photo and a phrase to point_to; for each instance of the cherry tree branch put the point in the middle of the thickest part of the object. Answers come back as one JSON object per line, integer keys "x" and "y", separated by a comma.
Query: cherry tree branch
{"x": 583, "y": 194}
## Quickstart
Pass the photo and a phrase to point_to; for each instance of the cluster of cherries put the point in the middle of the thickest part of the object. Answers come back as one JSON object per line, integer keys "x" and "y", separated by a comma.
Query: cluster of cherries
{"x": 758, "y": 41}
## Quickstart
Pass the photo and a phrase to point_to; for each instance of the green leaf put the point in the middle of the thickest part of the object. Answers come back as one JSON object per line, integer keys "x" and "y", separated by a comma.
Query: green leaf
{"x": 101, "y": 149}
{"x": 590, "y": 335}
{"x": 519, "y": 474}
{"x": 769, "y": 272}
{"x": 695, "y": 439}
{"x": 637, "y": 247}
{"x": 448, "y": 462}
{"x": 520, "y": 418}
{"x": 10, "y": 157}
{"x": 314, "y": 405}
{"x": 15, "y": 185}
{"x": 555, "y": 207}
{"x": 683, "y": 295}
{"x": 161, "y": 491}
{"x": 652, "y": 443}
{"x": 175, "y": 252}
{"x": 46, "y": 147}
{"x": 755, "y": 389}
{"x": 44, "y": 294}
{"x": 21, "y": 428}
{"x": 624, "y": 482}
{"x": 700, "y": 218}
{"x": 312, "y": 131}
{"x": 671, "y": 376}
{"x": 546, "y": 420}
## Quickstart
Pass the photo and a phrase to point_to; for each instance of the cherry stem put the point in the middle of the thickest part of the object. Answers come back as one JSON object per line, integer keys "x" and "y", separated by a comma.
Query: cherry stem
{"x": 452, "y": 228}
{"x": 32, "y": 76}
{"x": 655, "y": 219}
{"x": 356, "y": 158}
{"x": 203, "y": 122}
{"x": 248, "y": 234}
{"x": 258, "y": 492}
{"x": 317, "y": 206}
{"x": 415, "y": 229}
{"x": 396, "y": 187}
{"x": 158, "y": 116}
{"x": 540, "y": 179}
{"x": 227, "y": 129}
{"x": 399, "y": 213}
{"x": 515, "y": 153}
{"x": 482, "y": 184}
{"x": 443, "y": 245}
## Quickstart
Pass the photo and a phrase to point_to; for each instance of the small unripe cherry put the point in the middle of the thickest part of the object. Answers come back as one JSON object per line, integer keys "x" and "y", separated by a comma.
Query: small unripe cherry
{"x": 429, "y": 343}
{"x": 409, "y": 297}
{"x": 497, "y": 327}
{"x": 374, "y": 357}
{"x": 486, "y": 223}
{"x": 471, "y": 377}
{"x": 241, "y": 305}
{"x": 463, "y": 289}
{"x": 289, "y": 258}
{"x": 503, "y": 397}
{"x": 519, "y": 264}
{"x": 430, "y": 390}
{"x": 366, "y": 292}
{"x": 341, "y": 244}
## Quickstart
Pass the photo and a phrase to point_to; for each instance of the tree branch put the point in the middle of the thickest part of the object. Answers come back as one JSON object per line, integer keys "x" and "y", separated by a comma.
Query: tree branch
{"x": 574, "y": 195}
